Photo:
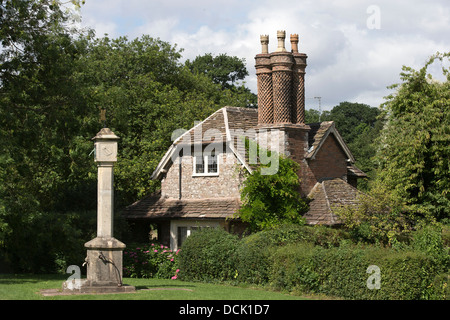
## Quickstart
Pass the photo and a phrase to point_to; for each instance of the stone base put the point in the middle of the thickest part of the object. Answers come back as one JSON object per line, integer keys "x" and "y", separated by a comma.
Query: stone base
{"x": 84, "y": 286}
{"x": 104, "y": 262}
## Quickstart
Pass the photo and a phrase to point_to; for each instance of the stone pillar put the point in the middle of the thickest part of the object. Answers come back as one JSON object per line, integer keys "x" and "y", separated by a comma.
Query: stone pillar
{"x": 264, "y": 81}
{"x": 282, "y": 62}
{"x": 104, "y": 253}
{"x": 298, "y": 82}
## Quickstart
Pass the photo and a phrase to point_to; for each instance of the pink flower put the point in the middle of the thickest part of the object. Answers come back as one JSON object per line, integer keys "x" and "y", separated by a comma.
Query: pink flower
{"x": 178, "y": 270}
{"x": 155, "y": 250}
{"x": 153, "y": 244}
{"x": 171, "y": 259}
{"x": 174, "y": 277}
{"x": 162, "y": 247}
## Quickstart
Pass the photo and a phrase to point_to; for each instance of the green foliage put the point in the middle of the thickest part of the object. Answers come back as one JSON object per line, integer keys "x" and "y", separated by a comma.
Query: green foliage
{"x": 53, "y": 80}
{"x": 374, "y": 219}
{"x": 209, "y": 255}
{"x": 320, "y": 260}
{"x": 226, "y": 71}
{"x": 342, "y": 272}
{"x": 428, "y": 238}
{"x": 414, "y": 147}
{"x": 272, "y": 199}
{"x": 255, "y": 250}
{"x": 150, "y": 261}
{"x": 222, "y": 69}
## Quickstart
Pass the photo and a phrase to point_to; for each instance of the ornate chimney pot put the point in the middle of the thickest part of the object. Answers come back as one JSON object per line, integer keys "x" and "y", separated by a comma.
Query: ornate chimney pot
{"x": 281, "y": 35}
{"x": 294, "y": 43}
{"x": 264, "y": 43}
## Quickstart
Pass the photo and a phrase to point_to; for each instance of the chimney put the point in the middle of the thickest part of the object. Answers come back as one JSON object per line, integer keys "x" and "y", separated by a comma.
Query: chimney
{"x": 298, "y": 81}
{"x": 280, "y": 77}
{"x": 264, "y": 80}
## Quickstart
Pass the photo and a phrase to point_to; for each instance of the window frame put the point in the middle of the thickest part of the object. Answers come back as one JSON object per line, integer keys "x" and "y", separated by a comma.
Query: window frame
{"x": 205, "y": 158}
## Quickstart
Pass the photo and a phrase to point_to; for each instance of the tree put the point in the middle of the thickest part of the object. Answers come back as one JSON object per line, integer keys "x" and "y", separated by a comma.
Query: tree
{"x": 43, "y": 135}
{"x": 222, "y": 69}
{"x": 53, "y": 80}
{"x": 226, "y": 71}
{"x": 414, "y": 147}
{"x": 270, "y": 200}
{"x": 352, "y": 119}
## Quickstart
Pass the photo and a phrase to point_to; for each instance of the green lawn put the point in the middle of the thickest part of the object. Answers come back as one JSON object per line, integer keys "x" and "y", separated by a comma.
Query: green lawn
{"x": 27, "y": 287}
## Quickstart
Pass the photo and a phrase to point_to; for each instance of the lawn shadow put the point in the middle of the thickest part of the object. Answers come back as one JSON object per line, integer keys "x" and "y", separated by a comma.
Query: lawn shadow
{"x": 188, "y": 287}
{"x": 29, "y": 278}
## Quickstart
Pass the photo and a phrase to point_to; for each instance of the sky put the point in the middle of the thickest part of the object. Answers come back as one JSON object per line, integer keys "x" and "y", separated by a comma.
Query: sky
{"x": 355, "y": 48}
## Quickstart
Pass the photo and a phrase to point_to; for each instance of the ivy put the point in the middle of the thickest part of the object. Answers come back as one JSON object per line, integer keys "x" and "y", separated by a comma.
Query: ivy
{"x": 272, "y": 199}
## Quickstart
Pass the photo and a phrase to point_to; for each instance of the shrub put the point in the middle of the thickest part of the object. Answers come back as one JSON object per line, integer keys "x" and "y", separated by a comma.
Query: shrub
{"x": 253, "y": 255}
{"x": 150, "y": 261}
{"x": 209, "y": 255}
{"x": 253, "y": 258}
{"x": 375, "y": 219}
{"x": 342, "y": 271}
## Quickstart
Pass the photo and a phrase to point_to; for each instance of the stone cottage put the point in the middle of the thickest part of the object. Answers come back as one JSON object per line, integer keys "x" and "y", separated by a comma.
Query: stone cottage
{"x": 201, "y": 173}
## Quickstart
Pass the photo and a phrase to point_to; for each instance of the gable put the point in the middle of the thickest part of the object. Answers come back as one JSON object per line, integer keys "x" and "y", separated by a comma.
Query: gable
{"x": 318, "y": 135}
{"x": 222, "y": 126}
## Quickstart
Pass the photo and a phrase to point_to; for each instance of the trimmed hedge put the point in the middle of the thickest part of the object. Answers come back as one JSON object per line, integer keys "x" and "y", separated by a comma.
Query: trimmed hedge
{"x": 342, "y": 272}
{"x": 312, "y": 260}
{"x": 208, "y": 255}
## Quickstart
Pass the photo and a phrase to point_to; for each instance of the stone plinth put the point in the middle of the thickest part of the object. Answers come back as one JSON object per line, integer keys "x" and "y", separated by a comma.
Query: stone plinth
{"x": 104, "y": 261}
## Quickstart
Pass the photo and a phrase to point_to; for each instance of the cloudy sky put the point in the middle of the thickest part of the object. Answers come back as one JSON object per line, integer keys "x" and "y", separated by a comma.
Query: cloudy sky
{"x": 355, "y": 48}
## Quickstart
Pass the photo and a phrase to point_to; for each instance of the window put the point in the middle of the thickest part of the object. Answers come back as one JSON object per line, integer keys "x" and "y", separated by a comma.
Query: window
{"x": 180, "y": 230}
{"x": 184, "y": 232}
{"x": 206, "y": 164}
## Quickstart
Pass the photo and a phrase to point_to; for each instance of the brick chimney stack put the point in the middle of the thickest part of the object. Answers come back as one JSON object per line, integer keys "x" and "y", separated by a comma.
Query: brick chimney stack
{"x": 264, "y": 78}
{"x": 280, "y": 76}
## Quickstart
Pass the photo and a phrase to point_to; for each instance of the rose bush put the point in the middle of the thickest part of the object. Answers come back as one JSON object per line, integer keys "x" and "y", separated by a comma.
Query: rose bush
{"x": 150, "y": 261}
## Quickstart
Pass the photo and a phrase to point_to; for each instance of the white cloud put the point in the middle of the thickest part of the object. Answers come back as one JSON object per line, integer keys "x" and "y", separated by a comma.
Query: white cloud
{"x": 346, "y": 60}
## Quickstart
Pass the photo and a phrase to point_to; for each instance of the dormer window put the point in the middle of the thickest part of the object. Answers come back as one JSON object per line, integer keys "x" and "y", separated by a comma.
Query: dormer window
{"x": 206, "y": 164}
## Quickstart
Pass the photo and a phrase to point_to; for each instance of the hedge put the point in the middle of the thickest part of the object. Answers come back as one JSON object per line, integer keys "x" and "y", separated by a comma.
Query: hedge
{"x": 343, "y": 272}
{"x": 311, "y": 260}
{"x": 208, "y": 255}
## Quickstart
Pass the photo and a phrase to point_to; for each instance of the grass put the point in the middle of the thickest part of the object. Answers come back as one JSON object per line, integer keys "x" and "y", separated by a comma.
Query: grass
{"x": 27, "y": 287}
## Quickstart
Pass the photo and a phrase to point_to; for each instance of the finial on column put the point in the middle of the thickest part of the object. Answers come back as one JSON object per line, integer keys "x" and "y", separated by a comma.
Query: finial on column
{"x": 281, "y": 35}
{"x": 294, "y": 43}
{"x": 264, "y": 43}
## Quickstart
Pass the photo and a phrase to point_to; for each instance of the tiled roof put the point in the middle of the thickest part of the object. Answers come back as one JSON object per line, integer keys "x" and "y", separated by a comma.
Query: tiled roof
{"x": 327, "y": 195}
{"x": 355, "y": 171}
{"x": 155, "y": 206}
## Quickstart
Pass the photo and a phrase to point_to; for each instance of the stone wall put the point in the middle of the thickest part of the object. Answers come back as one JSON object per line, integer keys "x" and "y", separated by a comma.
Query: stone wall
{"x": 225, "y": 184}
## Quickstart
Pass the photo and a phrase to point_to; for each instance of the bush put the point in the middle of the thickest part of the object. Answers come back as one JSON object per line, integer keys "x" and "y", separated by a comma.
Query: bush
{"x": 342, "y": 271}
{"x": 150, "y": 261}
{"x": 253, "y": 258}
{"x": 209, "y": 255}
{"x": 270, "y": 193}
{"x": 253, "y": 255}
